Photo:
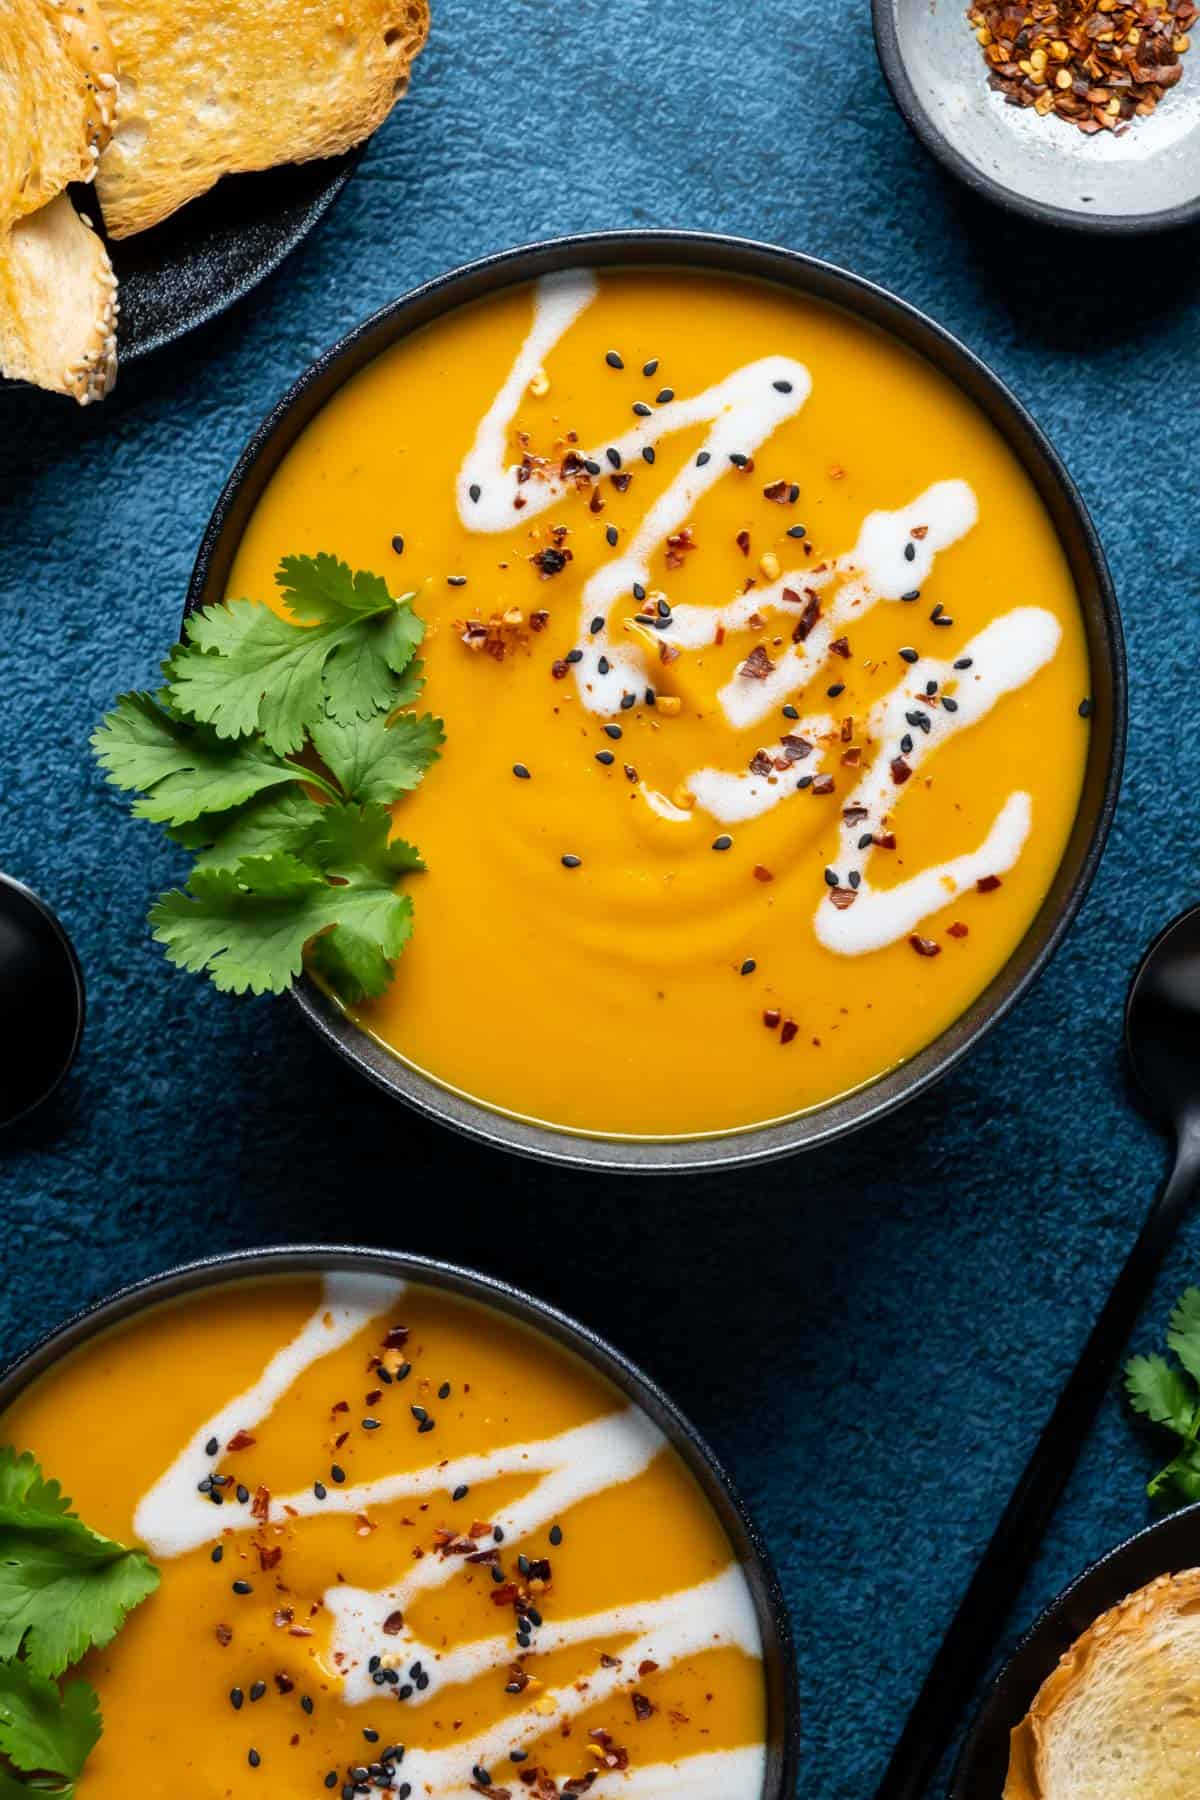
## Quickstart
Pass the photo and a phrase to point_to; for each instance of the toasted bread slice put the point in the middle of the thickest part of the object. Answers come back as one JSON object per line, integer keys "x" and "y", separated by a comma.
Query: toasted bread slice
{"x": 1119, "y": 1719}
{"x": 210, "y": 89}
{"x": 58, "y": 304}
{"x": 58, "y": 78}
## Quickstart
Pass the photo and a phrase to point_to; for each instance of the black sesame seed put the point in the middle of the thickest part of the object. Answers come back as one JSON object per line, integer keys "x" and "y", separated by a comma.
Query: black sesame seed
{"x": 218, "y": 1552}
{"x": 909, "y": 655}
{"x": 614, "y": 457}
{"x": 964, "y": 662}
{"x": 664, "y": 396}
{"x": 737, "y": 459}
{"x": 748, "y": 967}
{"x": 205, "y": 1486}
{"x": 521, "y": 772}
{"x": 628, "y": 700}
{"x": 639, "y": 592}
{"x": 418, "y": 1413}
{"x": 1086, "y": 707}
{"x": 444, "y": 1391}
{"x": 839, "y": 687}
{"x": 794, "y": 493}
{"x": 603, "y": 665}
{"x": 456, "y": 581}
{"x": 236, "y": 1698}
{"x": 319, "y": 1489}
{"x": 906, "y": 744}
{"x": 242, "y": 1587}
{"x": 211, "y": 1448}
{"x": 253, "y": 1758}
{"x": 804, "y": 781}
{"x": 913, "y": 594}
{"x": 648, "y": 453}
{"x": 480, "y": 1774}
{"x": 306, "y": 1703}
{"x": 919, "y": 719}
{"x": 258, "y": 1690}
{"x": 596, "y": 625}
{"x": 797, "y": 531}
{"x": 910, "y": 552}
{"x": 831, "y": 878}
{"x": 605, "y": 757}
{"x": 593, "y": 468}
{"x": 422, "y": 1682}
{"x": 651, "y": 697}
{"x": 398, "y": 544}
{"x": 497, "y": 1534}
{"x": 216, "y": 1496}
{"x": 337, "y": 1473}
{"x": 461, "y": 1492}
{"x": 373, "y": 1424}
{"x": 931, "y": 687}
{"x": 705, "y": 456}
{"x": 949, "y": 705}
{"x": 611, "y": 534}
{"x": 612, "y": 731}
{"x": 523, "y": 1563}
{"x": 405, "y": 1692}
{"x": 574, "y": 656}
{"x": 517, "y": 1756}
{"x": 331, "y": 1779}
{"x": 782, "y": 387}
{"x": 402, "y": 1371}
{"x": 571, "y": 862}
{"x": 865, "y": 840}
{"x": 613, "y": 360}
{"x": 790, "y": 712}
{"x": 243, "y": 1495}
{"x": 943, "y": 619}
{"x": 650, "y": 367}
{"x": 474, "y": 490}
{"x": 724, "y": 842}
{"x": 371, "y": 1736}
{"x": 854, "y": 878}
{"x": 641, "y": 409}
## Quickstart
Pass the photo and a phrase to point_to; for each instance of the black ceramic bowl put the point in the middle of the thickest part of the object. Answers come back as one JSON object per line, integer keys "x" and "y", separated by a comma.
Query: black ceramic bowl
{"x": 1166, "y": 1547}
{"x": 815, "y": 280}
{"x": 783, "y": 1706}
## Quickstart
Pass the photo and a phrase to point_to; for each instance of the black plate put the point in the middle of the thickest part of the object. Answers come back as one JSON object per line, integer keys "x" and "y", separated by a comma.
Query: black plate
{"x": 212, "y": 251}
{"x": 779, "y": 1662}
{"x": 1163, "y": 1548}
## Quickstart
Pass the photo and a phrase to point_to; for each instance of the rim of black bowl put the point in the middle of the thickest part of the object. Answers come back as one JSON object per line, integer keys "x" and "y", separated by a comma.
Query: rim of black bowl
{"x": 59, "y": 930}
{"x": 779, "y": 1663}
{"x": 919, "y": 121}
{"x": 814, "y": 279}
{"x": 1163, "y": 1547}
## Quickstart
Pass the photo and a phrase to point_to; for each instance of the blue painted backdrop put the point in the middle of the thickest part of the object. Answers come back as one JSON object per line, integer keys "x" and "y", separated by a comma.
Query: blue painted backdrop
{"x": 871, "y": 1336}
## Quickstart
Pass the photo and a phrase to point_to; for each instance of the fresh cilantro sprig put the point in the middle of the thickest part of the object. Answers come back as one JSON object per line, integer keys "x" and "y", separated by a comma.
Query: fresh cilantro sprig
{"x": 273, "y": 752}
{"x": 1168, "y": 1394}
{"x": 64, "y": 1590}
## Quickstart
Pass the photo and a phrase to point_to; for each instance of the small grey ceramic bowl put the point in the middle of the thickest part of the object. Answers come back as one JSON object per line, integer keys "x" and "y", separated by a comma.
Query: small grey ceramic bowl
{"x": 782, "y": 1733}
{"x": 1145, "y": 179}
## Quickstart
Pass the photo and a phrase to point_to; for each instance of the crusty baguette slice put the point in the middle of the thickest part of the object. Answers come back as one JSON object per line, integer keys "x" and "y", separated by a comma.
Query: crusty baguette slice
{"x": 210, "y": 89}
{"x": 58, "y": 304}
{"x": 58, "y": 81}
{"x": 1119, "y": 1719}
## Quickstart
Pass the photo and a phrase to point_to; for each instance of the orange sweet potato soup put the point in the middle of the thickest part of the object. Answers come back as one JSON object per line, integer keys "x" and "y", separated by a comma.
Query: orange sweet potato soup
{"x": 405, "y": 1544}
{"x": 762, "y": 672}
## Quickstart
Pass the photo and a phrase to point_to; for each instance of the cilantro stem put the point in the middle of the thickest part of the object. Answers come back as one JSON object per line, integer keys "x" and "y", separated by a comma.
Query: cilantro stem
{"x": 318, "y": 781}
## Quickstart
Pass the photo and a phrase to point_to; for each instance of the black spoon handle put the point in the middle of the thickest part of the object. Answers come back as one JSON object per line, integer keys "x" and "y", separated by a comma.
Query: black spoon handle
{"x": 984, "y": 1607}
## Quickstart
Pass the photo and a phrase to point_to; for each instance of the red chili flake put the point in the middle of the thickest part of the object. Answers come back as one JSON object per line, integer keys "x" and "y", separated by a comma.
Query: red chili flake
{"x": 847, "y": 730}
{"x": 840, "y": 647}
{"x": 260, "y": 1506}
{"x": 609, "y": 1662}
{"x": 884, "y": 840}
{"x": 559, "y": 668}
{"x": 795, "y": 748}
{"x": 340, "y": 1406}
{"x": 621, "y": 479}
{"x": 393, "y": 1625}
{"x": 538, "y": 621}
{"x": 550, "y": 561}
{"x": 987, "y": 884}
{"x": 678, "y": 545}
{"x": 340, "y": 1439}
{"x": 300, "y": 1631}
{"x": 758, "y": 665}
{"x": 900, "y": 770}
{"x": 505, "y": 1594}
{"x": 743, "y": 542}
{"x": 283, "y": 1682}
{"x": 269, "y": 1558}
{"x": 667, "y": 653}
{"x": 761, "y": 874}
{"x": 919, "y": 531}
{"x": 771, "y": 1018}
{"x": 853, "y": 815}
{"x": 822, "y": 784}
{"x": 957, "y": 929}
{"x": 843, "y": 897}
{"x": 397, "y": 1335}
{"x": 283, "y": 1616}
{"x": 374, "y": 1397}
{"x": 851, "y": 758}
{"x": 642, "y": 1708}
{"x": 224, "y": 1635}
{"x": 790, "y": 1028}
{"x": 760, "y": 763}
{"x": 778, "y": 491}
{"x": 241, "y": 1440}
{"x": 481, "y": 1528}
{"x": 925, "y": 946}
{"x": 808, "y": 618}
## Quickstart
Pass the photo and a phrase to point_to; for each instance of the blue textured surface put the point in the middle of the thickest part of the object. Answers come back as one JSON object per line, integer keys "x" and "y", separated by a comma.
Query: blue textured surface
{"x": 871, "y": 1336}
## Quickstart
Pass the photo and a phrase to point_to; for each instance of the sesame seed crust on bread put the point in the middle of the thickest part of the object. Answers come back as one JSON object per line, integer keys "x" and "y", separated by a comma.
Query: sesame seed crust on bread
{"x": 58, "y": 72}
{"x": 1119, "y": 1718}
{"x": 58, "y": 304}
{"x": 207, "y": 91}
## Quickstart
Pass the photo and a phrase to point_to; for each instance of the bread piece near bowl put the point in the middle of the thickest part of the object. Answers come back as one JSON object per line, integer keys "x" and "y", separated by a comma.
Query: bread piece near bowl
{"x": 58, "y": 75}
{"x": 58, "y": 306}
{"x": 1119, "y": 1718}
{"x": 207, "y": 91}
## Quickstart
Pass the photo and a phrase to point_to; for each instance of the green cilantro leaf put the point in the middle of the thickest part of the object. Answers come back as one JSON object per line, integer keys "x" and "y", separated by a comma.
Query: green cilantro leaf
{"x": 273, "y": 821}
{"x": 376, "y": 759}
{"x": 45, "y": 1732}
{"x": 1161, "y": 1393}
{"x": 245, "y": 669}
{"x": 181, "y": 771}
{"x": 1169, "y": 1396}
{"x": 247, "y": 927}
{"x": 63, "y": 1587}
{"x": 1183, "y": 1334}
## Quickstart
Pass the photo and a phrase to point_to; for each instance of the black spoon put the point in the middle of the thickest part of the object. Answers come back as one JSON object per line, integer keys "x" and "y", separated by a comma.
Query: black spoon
{"x": 1162, "y": 1037}
{"x": 41, "y": 1002}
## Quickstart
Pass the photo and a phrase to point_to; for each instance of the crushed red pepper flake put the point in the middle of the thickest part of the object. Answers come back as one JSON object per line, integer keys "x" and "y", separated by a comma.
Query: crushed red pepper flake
{"x": 762, "y": 874}
{"x": 924, "y": 946}
{"x": 241, "y": 1440}
{"x": 758, "y": 664}
{"x": 957, "y": 929}
{"x": 842, "y": 897}
{"x": 642, "y": 1708}
{"x": 987, "y": 884}
{"x": 790, "y": 1028}
{"x": 1096, "y": 64}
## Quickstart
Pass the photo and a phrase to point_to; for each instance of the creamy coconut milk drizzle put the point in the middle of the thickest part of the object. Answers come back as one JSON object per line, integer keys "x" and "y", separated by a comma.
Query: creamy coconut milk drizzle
{"x": 894, "y": 555}
{"x": 174, "y": 1517}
